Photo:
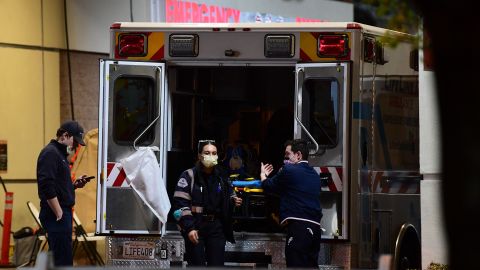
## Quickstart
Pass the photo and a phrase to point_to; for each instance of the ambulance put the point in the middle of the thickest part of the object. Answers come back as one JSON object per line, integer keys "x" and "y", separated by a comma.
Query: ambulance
{"x": 350, "y": 89}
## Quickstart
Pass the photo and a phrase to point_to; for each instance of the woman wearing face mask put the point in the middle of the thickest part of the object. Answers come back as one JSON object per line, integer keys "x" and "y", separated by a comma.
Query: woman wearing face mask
{"x": 202, "y": 205}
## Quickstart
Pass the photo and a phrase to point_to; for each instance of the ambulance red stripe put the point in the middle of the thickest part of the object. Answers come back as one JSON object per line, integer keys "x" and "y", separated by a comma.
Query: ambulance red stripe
{"x": 116, "y": 176}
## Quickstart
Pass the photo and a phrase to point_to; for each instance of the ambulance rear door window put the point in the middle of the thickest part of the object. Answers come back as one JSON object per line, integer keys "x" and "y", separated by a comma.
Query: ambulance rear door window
{"x": 321, "y": 109}
{"x": 133, "y": 109}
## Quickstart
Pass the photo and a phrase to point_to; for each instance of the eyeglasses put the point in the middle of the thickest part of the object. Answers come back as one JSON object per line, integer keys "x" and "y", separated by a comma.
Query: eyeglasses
{"x": 204, "y": 142}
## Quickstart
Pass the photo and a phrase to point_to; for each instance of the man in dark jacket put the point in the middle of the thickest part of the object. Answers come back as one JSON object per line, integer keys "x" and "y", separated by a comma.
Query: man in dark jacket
{"x": 298, "y": 186}
{"x": 203, "y": 203}
{"x": 56, "y": 190}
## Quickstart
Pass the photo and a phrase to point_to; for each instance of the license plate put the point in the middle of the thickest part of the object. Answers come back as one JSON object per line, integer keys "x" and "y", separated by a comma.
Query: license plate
{"x": 136, "y": 250}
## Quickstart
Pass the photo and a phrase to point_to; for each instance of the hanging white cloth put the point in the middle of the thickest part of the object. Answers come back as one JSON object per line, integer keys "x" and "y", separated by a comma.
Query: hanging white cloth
{"x": 144, "y": 175}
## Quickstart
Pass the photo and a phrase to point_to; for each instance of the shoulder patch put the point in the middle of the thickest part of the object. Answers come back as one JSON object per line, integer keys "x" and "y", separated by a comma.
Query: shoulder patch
{"x": 182, "y": 182}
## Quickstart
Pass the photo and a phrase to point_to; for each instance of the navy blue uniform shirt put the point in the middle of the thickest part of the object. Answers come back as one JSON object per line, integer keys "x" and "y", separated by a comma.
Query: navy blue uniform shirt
{"x": 53, "y": 175}
{"x": 299, "y": 188}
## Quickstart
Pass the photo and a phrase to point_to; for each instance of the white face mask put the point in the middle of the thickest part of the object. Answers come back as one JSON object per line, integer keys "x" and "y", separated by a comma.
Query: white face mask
{"x": 70, "y": 150}
{"x": 209, "y": 160}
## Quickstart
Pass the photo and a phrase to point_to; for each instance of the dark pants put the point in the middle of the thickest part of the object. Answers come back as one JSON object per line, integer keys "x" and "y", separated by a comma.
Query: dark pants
{"x": 302, "y": 244}
{"x": 59, "y": 235}
{"x": 211, "y": 246}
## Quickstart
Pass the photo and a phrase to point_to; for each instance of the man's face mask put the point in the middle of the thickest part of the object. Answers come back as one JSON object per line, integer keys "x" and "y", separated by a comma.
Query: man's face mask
{"x": 287, "y": 161}
{"x": 290, "y": 157}
{"x": 209, "y": 160}
{"x": 70, "y": 150}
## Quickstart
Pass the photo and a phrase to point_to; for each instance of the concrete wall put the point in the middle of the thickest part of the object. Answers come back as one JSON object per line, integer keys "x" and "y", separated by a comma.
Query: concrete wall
{"x": 32, "y": 35}
{"x": 32, "y": 22}
{"x": 34, "y": 95}
{"x": 85, "y": 87}
{"x": 29, "y": 106}
{"x": 34, "y": 83}
{"x": 89, "y": 21}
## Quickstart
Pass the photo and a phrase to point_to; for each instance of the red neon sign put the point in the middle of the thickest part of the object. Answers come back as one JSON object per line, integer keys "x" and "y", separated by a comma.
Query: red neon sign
{"x": 185, "y": 11}
{"x": 191, "y": 12}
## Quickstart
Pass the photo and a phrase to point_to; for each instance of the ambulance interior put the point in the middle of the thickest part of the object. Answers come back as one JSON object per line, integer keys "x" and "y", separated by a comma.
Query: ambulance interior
{"x": 248, "y": 111}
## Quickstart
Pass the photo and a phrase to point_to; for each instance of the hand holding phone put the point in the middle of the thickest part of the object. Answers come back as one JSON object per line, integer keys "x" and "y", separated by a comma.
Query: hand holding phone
{"x": 80, "y": 182}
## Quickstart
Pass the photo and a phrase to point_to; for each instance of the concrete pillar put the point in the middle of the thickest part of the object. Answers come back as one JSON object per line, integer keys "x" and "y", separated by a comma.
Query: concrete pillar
{"x": 433, "y": 235}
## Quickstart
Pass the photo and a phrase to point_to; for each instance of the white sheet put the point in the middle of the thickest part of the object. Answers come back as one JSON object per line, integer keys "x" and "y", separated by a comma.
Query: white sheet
{"x": 144, "y": 175}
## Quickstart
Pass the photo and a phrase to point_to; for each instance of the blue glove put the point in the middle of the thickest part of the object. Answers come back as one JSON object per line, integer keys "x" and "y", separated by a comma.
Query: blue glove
{"x": 177, "y": 214}
{"x": 251, "y": 184}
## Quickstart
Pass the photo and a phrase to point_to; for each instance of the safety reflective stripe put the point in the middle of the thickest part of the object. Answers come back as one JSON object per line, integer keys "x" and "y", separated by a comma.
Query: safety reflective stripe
{"x": 190, "y": 173}
{"x": 183, "y": 195}
{"x": 186, "y": 213}
{"x": 197, "y": 209}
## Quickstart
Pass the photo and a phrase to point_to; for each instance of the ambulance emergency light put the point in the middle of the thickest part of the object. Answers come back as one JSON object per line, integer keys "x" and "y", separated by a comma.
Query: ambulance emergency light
{"x": 279, "y": 46}
{"x": 332, "y": 45}
{"x": 368, "y": 50}
{"x": 373, "y": 51}
{"x": 182, "y": 45}
{"x": 132, "y": 45}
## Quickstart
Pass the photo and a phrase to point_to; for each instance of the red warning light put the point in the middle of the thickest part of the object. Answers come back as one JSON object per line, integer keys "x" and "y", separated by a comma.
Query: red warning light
{"x": 332, "y": 45}
{"x": 132, "y": 45}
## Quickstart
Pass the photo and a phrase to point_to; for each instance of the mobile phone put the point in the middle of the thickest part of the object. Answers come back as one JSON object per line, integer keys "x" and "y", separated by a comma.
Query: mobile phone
{"x": 89, "y": 178}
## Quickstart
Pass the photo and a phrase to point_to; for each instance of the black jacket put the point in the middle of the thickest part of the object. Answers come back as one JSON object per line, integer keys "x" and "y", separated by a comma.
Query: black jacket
{"x": 53, "y": 175}
{"x": 193, "y": 202}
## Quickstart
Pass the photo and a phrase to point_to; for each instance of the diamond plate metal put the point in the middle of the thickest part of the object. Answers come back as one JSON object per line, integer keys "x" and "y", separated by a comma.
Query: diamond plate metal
{"x": 330, "y": 253}
{"x": 274, "y": 248}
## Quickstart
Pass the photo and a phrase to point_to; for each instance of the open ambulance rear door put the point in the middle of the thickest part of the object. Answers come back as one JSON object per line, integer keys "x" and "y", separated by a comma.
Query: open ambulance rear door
{"x": 322, "y": 112}
{"x": 132, "y": 114}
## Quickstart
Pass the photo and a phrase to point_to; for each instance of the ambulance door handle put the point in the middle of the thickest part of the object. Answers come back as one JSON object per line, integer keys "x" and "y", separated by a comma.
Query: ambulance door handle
{"x": 297, "y": 77}
{"x": 297, "y": 88}
{"x": 296, "y": 114}
{"x": 308, "y": 134}
{"x": 158, "y": 71}
{"x": 143, "y": 132}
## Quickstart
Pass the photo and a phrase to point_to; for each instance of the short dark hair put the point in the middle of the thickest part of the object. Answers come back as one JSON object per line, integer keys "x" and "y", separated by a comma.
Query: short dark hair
{"x": 202, "y": 143}
{"x": 60, "y": 132}
{"x": 299, "y": 145}
{"x": 287, "y": 143}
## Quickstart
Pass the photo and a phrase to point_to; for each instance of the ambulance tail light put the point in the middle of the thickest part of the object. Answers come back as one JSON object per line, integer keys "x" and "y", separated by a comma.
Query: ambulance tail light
{"x": 332, "y": 46}
{"x": 132, "y": 45}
